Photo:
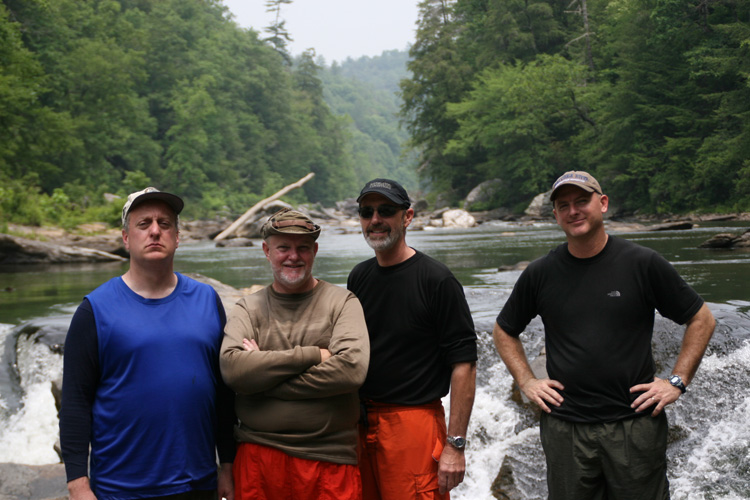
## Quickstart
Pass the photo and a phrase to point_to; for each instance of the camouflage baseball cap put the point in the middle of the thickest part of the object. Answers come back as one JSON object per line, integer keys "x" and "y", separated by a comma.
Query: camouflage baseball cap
{"x": 288, "y": 221}
{"x": 151, "y": 193}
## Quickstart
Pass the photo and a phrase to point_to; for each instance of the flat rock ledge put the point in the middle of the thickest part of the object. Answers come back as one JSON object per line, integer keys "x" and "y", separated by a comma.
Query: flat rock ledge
{"x": 32, "y": 482}
{"x": 17, "y": 250}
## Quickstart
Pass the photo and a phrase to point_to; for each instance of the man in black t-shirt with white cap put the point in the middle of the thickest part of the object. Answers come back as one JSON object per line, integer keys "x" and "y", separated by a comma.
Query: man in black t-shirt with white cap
{"x": 603, "y": 427}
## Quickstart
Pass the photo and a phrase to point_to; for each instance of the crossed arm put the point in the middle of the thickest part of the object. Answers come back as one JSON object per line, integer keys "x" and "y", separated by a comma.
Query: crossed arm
{"x": 286, "y": 371}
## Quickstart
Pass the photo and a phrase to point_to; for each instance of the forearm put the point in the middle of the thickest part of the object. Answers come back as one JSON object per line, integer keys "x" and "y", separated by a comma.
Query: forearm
{"x": 343, "y": 372}
{"x": 80, "y": 380}
{"x": 463, "y": 388}
{"x": 513, "y": 355}
{"x": 252, "y": 372}
{"x": 698, "y": 333}
{"x": 225, "y": 488}
{"x": 80, "y": 489}
{"x": 255, "y": 371}
{"x": 330, "y": 378}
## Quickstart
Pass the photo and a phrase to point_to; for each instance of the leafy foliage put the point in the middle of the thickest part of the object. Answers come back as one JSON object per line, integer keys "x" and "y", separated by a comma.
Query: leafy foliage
{"x": 649, "y": 95}
{"x": 108, "y": 94}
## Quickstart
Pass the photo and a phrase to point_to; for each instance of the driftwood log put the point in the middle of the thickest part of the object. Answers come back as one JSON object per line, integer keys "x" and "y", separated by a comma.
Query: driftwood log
{"x": 259, "y": 206}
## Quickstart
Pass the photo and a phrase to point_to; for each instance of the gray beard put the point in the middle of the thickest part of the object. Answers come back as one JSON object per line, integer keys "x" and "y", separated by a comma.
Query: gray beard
{"x": 382, "y": 245}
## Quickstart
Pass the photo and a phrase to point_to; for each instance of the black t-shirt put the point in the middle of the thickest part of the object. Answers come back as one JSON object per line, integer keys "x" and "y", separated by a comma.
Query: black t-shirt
{"x": 598, "y": 316}
{"x": 419, "y": 325}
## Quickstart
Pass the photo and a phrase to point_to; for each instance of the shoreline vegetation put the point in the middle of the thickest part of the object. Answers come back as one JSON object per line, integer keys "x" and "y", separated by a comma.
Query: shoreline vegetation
{"x": 99, "y": 242}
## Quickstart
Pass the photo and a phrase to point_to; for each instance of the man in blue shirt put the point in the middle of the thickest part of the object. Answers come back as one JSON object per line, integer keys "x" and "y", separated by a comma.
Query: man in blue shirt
{"x": 141, "y": 381}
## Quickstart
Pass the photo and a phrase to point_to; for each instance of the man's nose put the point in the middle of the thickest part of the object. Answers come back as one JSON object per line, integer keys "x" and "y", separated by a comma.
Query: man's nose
{"x": 292, "y": 254}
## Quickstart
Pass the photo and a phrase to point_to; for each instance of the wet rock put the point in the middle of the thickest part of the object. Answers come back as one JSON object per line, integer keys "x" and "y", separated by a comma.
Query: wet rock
{"x": 518, "y": 266}
{"x": 504, "y": 486}
{"x": 202, "y": 229}
{"x": 522, "y": 473}
{"x": 420, "y": 206}
{"x": 32, "y": 482}
{"x": 727, "y": 240}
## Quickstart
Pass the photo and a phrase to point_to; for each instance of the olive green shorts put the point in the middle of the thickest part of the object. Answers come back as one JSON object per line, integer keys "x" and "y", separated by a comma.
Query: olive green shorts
{"x": 622, "y": 460}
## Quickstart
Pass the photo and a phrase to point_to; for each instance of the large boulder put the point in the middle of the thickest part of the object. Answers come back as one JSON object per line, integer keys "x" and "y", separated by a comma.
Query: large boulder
{"x": 458, "y": 219}
{"x": 483, "y": 194}
{"x": 540, "y": 207}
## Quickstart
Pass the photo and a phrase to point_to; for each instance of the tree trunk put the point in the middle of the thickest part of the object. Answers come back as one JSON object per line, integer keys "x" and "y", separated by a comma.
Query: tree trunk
{"x": 259, "y": 206}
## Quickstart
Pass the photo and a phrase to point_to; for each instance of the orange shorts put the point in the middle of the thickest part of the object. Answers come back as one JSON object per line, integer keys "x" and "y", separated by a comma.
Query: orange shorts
{"x": 399, "y": 451}
{"x": 265, "y": 473}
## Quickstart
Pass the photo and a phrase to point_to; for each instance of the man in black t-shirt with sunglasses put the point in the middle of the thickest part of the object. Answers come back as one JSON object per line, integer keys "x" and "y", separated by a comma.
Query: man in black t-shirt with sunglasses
{"x": 422, "y": 344}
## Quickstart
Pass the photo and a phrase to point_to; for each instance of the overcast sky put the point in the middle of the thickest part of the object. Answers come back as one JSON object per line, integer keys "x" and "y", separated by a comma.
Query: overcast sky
{"x": 337, "y": 29}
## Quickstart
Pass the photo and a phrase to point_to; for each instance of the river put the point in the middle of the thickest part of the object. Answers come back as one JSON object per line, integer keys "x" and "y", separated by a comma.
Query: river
{"x": 709, "y": 451}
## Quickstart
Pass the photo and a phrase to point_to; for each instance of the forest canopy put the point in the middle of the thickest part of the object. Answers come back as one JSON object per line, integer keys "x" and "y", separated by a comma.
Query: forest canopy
{"x": 107, "y": 96}
{"x": 651, "y": 96}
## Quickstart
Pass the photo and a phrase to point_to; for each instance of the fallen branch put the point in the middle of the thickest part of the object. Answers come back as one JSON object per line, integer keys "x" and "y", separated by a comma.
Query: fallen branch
{"x": 259, "y": 206}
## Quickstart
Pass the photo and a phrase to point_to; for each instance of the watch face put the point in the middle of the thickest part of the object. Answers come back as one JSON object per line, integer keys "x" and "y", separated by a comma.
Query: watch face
{"x": 458, "y": 442}
{"x": 676, "y": 381}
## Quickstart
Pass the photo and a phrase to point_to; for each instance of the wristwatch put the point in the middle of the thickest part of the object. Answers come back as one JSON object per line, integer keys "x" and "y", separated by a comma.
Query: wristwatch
{"x": 676, "y": 381}
{"x": 456, "y": 441}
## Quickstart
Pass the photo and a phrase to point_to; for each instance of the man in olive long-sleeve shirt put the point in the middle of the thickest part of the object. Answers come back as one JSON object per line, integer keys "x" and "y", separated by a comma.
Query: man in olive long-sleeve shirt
{"x": 296, "y": 353}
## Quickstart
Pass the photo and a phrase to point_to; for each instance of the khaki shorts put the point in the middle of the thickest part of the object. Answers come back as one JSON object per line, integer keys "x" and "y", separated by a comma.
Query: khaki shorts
{"x": 623, "y": 460}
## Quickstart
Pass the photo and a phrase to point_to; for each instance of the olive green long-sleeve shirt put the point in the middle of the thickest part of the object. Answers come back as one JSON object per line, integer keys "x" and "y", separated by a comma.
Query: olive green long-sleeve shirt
{"x": 286, "y": 398}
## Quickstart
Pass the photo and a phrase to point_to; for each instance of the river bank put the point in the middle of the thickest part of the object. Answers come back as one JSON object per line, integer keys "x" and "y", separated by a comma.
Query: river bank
{"x": 97, "y": 242}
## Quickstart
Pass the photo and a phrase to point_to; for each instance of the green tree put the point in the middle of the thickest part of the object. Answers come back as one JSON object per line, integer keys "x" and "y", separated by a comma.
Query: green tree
{"x": 525, "y": 118}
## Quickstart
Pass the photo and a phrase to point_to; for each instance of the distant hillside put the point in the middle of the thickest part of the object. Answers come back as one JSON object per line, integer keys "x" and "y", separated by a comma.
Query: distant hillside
{"x": 365, "y": 91}
{"x": 381, "y": 72}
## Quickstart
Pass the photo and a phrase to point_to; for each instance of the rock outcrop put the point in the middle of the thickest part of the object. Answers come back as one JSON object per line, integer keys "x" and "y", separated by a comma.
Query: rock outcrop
{"x": 458, "y": 219}
{"x": 482, "y": 194}
{"x": 728, "y": 240}
{"x": 16, "y": 250}
{"x": 540, "y": 207}
{"x": 33, "y": 482}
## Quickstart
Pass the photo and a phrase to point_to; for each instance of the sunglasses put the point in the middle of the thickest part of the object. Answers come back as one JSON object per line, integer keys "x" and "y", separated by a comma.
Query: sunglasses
{"x": 383, "y": 211}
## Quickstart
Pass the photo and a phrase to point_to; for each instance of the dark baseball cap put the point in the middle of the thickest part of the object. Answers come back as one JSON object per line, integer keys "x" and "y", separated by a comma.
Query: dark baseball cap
{"x": 388, "y": 188}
